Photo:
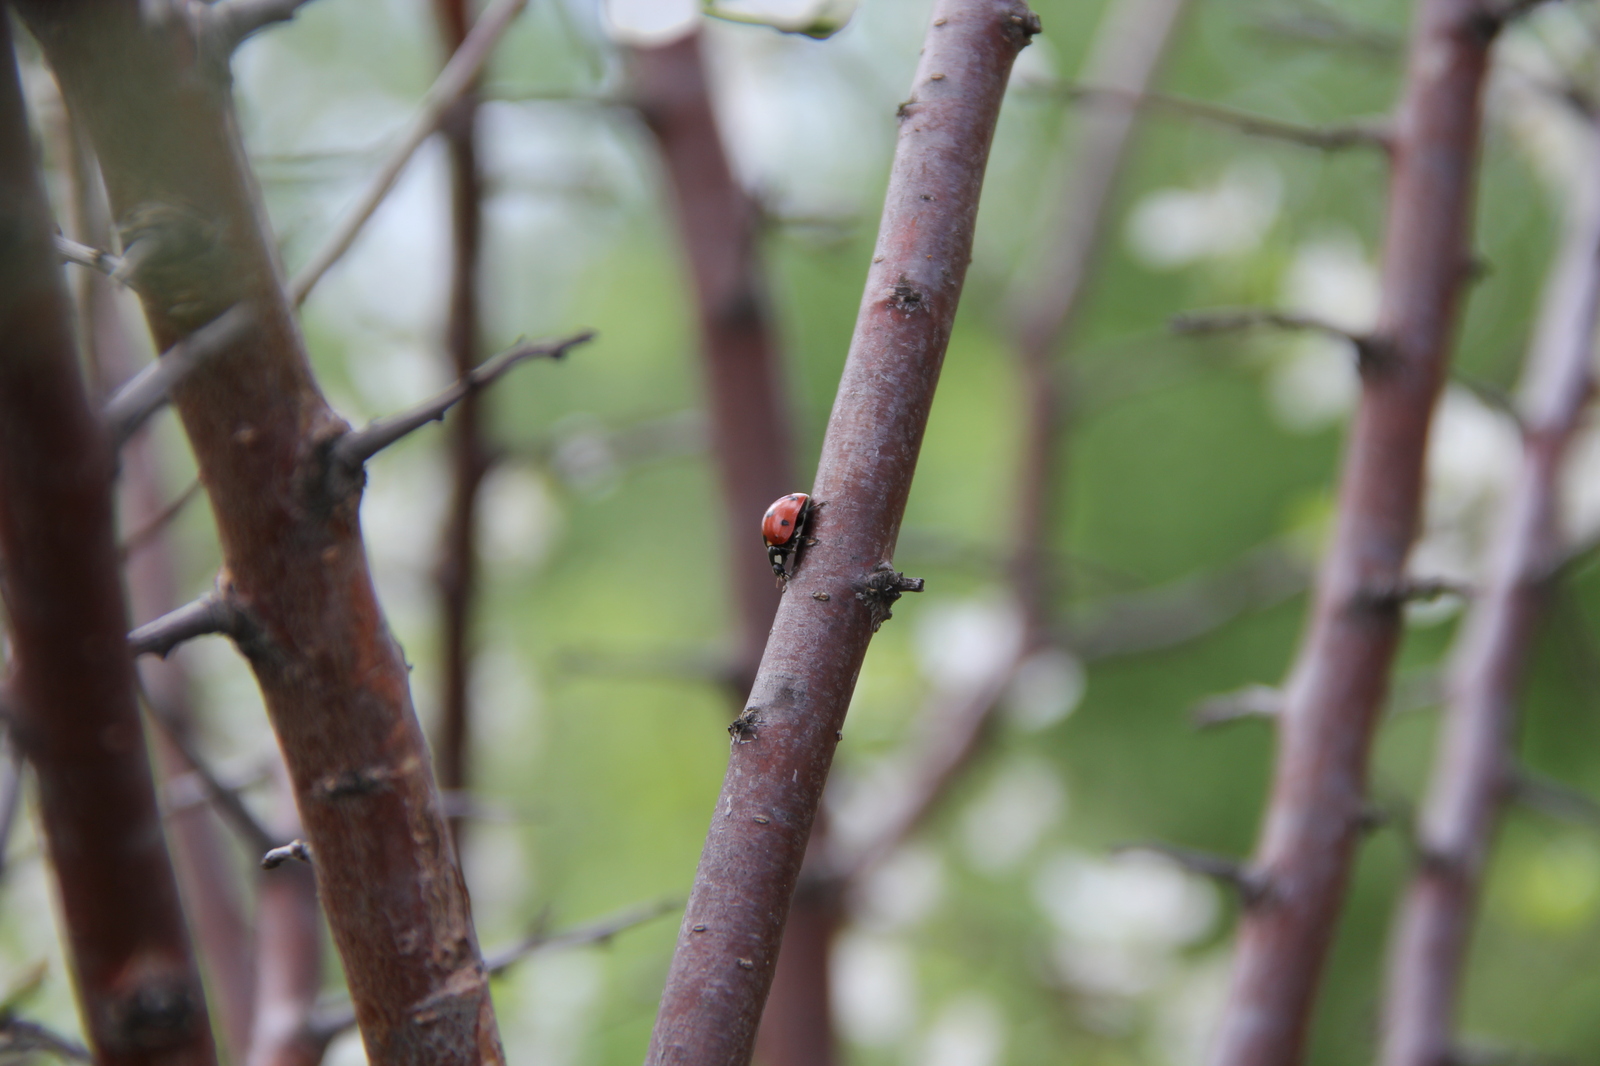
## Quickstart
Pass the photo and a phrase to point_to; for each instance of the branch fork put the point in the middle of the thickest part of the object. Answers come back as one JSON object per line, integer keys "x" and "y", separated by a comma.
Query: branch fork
{"x": 1372, "y": 352}
{"x": 1250, "y": 885}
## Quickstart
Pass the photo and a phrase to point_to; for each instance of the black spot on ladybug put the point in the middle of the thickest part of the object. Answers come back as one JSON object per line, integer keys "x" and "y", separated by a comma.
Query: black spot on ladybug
{"x": 785, "y": 521}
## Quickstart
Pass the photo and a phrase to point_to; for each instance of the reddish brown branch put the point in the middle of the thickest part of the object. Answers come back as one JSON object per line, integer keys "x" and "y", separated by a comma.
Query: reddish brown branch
{"x": 334, "y": 682}
{"x": 1473, "y": 762}
{"x": 207, "y": 873}
{"x": 456, "y": 573}
{"x": 1127, "y": 53}
{"x": 72, "y": 691}
{"x": 728, "y": 943}
{"x": 718, "y": 223}
{"x": 1337, "y": 688}
{"x": 752, "y": 442}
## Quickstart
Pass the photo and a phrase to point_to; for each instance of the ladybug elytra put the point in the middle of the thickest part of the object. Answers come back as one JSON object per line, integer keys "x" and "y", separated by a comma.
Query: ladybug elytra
{"x": 783, "y": 529}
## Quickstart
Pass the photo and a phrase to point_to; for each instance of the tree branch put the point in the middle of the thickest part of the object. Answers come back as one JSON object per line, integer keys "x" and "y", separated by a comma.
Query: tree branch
{"x": 227, "y": 800}
{"x": 1337, "y": 688}
{"x": 1326, "y": 138}
{"x": 211, "y": 614}
{"x": 1473, "y": 763}
{"x": 457, "y": 78}
{"x": 727, "y": 946}
{"x": 334, "y": 682}
{"x": 151, "y": 530}
{"x": 19, "y": 1036}
{"x": 87, "y": 256}
{"x": 1251, "y": 888}
{"x": 75, "y": 715}
{"x": 331, "y": 1021}
{"x": 1369, "y": 349}
{"x": 356, "y": 447}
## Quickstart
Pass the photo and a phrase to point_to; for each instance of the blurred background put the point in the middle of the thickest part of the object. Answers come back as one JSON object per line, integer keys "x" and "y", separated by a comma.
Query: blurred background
{"x": 1195, "y": 490}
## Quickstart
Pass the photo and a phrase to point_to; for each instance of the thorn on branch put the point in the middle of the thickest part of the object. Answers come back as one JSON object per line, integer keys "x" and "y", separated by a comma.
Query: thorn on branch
{"x": 353, "y": 449}
{"x": 882, "y": 588}
{"x": 295, "y": 849}
{"x": 213, "y": 613}
{"x": 149, "y": 390}
{"x": 1251, "y": 701}
{"x": 1250, "y": 886}
{"x": 1370, "y": 351}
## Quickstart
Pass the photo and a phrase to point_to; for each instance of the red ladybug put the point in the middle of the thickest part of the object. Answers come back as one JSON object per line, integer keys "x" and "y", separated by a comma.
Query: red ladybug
{"x": 783, "y": 527}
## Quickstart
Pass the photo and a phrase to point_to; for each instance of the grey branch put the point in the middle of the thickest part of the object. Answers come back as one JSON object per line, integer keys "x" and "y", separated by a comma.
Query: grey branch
{"x": 210, "y": 614}
{"x": 458, "y": 76}
{"x": 357, "y": 446}
{"x": 19, "y": 1037}
{"x": 1370, "y": 134}
{"x": 330, "y": 1021}
{"x": 295, "y": 849}
{"x": 1368, "y": 348}
{"x": 1249, "y": 885}
{"x": 226, "y": 23}
{"x": 149, "y": 390}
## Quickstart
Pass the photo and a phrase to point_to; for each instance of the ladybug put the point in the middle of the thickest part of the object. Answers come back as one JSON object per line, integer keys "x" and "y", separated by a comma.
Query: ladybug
{"x": 783, "y": 527}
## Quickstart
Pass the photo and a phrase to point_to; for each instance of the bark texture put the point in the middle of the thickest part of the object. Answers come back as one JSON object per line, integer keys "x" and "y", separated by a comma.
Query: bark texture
{"x": 75, "y": 713}
{"x": 753, "y": 448}
{"x": 155, "y": 103}
{"x": 843, "y": 586}
{"x": 1337, "y": 687}
{"x": 1474, "y": 763}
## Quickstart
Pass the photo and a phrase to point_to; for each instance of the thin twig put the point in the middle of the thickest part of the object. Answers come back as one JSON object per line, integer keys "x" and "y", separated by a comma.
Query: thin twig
{"x": 1373, "y": 134}
{"x": 1231, "y": 320}
{"x": 211, "y": 614}
{"x": 297, "y": 850}
{"x": 357, "y": 446}
{"x": 21, "y": 1037}
{"x": 152, "y": 529}
{"x": 1554, "y": 798}
{"x": 1251, "y": 887}
{"x": 228, "y": 801}
{"x": 458, "y": 76}
{"x": 86, "y": 256}
{"x": 332, "y": 1020}
{"x": 149, "y": 390}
